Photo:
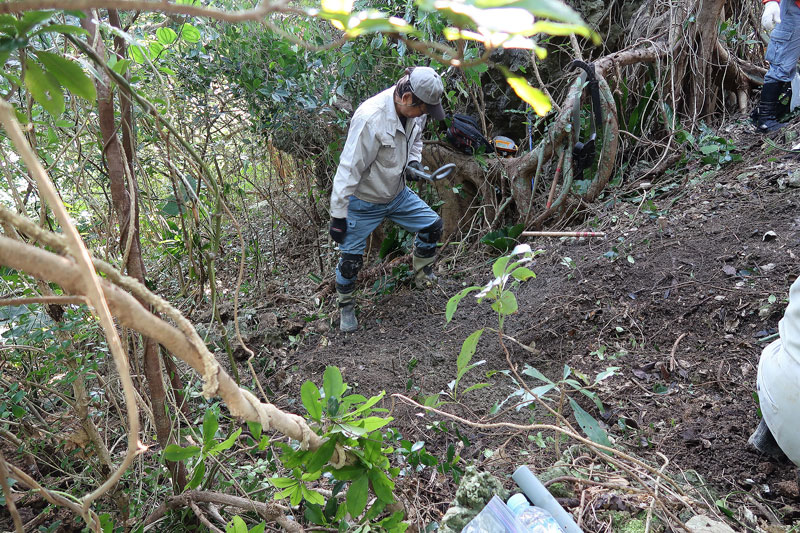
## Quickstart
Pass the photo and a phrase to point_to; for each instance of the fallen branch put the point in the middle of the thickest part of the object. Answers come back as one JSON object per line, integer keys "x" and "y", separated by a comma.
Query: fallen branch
{"x": 130, "y": 313}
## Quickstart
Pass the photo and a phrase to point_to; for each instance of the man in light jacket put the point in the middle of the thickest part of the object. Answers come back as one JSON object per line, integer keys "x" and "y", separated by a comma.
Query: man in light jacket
{"x": 384, "y": 139}
{"x": 778, "y": 385}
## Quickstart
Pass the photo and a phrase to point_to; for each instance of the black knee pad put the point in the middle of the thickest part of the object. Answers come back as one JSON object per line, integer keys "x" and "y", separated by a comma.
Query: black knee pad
{"x": 350, "y": 264}
{"x": 431, "y": 234}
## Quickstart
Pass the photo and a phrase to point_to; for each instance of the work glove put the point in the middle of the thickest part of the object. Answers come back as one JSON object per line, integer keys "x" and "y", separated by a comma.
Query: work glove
{"x": 410, "y": 176}
{"x": 771, "y": 16}
{"x": 338, "y": 229}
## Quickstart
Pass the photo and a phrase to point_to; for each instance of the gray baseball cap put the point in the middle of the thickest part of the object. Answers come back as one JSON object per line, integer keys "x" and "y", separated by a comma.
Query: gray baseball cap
{"x": 426, "y": 84}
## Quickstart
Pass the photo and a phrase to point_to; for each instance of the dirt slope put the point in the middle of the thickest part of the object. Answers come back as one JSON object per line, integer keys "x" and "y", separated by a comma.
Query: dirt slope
{"x": 677, "y": 296}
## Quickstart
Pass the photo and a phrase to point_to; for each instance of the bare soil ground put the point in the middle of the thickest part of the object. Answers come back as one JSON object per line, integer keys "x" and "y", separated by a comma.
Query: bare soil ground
{"x": 678, "y": 296}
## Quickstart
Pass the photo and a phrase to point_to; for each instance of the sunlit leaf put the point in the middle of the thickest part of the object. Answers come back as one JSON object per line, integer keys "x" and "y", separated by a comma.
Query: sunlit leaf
{"x": 189, "y": 33}
{"x": 537, "y": 99}
{"x": 337, "y": 6}
{"x": 166, "y": 35}
{"x": 549, "y": 9}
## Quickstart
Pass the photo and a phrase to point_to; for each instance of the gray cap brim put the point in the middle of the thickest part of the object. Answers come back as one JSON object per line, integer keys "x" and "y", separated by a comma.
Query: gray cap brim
{"x": 435, "y": 111}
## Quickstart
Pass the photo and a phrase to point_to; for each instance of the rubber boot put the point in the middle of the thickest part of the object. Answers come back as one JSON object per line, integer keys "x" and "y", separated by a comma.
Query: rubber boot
{"x": 763, "y": 441}
{"x": 348, "y": 322}
{"x": 766, "y": 115}
{"x": 423, "y": 272}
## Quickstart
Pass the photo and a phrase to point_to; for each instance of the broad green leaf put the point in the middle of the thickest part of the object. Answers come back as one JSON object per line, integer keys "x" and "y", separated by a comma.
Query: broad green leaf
{"x": 312, "y": 496}
{"x": 226, "y": 444}
{"x": 309, "y": 394}
{"x": 61, "y": 28}
{"x": 452, "y": 303}
{"x": 523, "y": 274}
{"x": 467, "y": 351}
{"x": 371, "y": 423}
{"x": 139, "y": 54}
{"x": 382, "y": 485}
{"x": 31, "y": 19}
{"x": 506, "y": 304}
{"x": 173, "y": 452}
{"x": 499, "y": 266}
{"x": 45, "y": 89}
{"x": 9, "y": 44}
{"x": 296, "y": 496}
{"x": 567, "y": 371}
{"x": 282, "y": 482}
{"x": 589, "y": 425}
{"x": 197, "y": 476}
{"x": 236, "y": 526}
{"x": 332, "y": 382}
{"x": 166, "y": 35}
{"x": 357, "y": 496}
{"x": 258, "y": 528}
{"x": 321, "y": 456}
{"x": 121, "y": 66}
{"x": 155, "y": 49}
{"x": 210, "y": 426}
{"x": 189, "y": 33}
{"x": 313, "y": 514}
{"x": 537, "y": 99}
{"x": 255, "y": 429}
{"x": 69, "y": 74}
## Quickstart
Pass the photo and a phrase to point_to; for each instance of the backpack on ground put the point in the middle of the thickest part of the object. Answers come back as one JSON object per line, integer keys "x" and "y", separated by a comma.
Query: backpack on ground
{"x": 465, "y": 135}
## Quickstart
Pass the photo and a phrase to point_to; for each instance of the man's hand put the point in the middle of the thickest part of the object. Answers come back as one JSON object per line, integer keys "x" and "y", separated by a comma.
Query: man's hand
{"x": 338, "y": 229}
{"x": 410, "y": 176}
{"x": 771, "y": 16}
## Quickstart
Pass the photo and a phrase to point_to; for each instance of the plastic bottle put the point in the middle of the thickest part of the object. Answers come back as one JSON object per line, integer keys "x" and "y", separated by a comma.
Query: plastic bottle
{"x": 535, "y": 519}
{"x": 541, "y": 497}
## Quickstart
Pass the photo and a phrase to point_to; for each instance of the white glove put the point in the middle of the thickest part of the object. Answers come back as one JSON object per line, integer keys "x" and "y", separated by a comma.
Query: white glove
{"x": 771, "y": 16}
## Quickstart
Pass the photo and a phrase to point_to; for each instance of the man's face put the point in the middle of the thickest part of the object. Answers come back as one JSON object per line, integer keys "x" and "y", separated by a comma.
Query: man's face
{"x": 409, "y": 109}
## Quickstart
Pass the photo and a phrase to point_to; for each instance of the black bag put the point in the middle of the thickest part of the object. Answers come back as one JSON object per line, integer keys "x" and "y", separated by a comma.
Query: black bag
{"x": 465, "y": 135}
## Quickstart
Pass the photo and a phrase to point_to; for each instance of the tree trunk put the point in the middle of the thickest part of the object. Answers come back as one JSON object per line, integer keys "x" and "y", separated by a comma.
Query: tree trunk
{"x": 123, "y": 187}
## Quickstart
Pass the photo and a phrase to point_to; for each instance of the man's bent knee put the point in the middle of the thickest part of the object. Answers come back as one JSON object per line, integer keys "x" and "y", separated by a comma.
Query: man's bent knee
{"x": 350, "y": 265}
{"x": 431, "y": 234}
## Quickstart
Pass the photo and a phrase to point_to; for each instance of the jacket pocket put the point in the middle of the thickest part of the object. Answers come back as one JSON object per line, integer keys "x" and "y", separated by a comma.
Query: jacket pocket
{"x": 387, "y": 153}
